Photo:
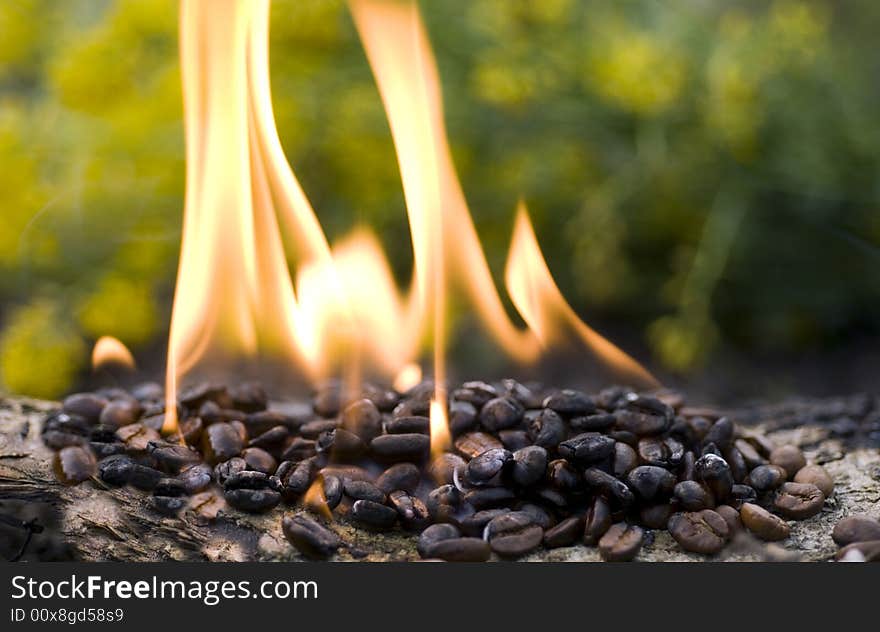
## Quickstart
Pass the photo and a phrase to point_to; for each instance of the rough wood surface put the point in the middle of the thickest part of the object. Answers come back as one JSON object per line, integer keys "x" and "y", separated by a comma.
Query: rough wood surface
{"x": 94, "y": 523}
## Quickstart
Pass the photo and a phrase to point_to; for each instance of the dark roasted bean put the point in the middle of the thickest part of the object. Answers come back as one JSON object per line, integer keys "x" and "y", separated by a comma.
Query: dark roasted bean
{"x": 691, "y": 496}
{"x": 731, "y": 517}
{"x": 763, "y": 523}
{"x": 344, "y": 472}
{"x": 405, "y": 476}
{"x": 402, "y": 425}
{"x": 551, "y": 497}
{"x": 252, "y": 500}
{"x": 860, "y": 552}
{"x": 120, "y": 413}
{"x": 765, "y": 478}
{"x": 565, "y": 533}
{"x": 373, "y": 515}
{"x": 196, "y": 478}
{"x": 501, "y": 413}
{"x": 621, "y": 436}
{"x": 623, "y": 460}
{"x": 699, "y": 531}
{"x": 564, "y": 476}
{"x": 224, "y": 470}
{"x": 221, "y": 442}
{"x": 740, "y": 494}
{"x": 476, "y": 393}
{"x": 167, "y": 505}
{"x": 260, "y": 422}
{"x": 473, "y": 443}
{"x": 513, "y": 534}
{"x": 85, "y": 405}
{"x": 651, "y": 483}
{"x": 488, "y": 497}
{"x": 332, "y": 490}
{"x": 816, "y": 475}
{"x": 721, "y": 433}
{"x": 528, "y": 466}
{"x": 434, "y": 534}
{"x": 401, "y": 447}
{"x": 750, "y": 455}
{"x": 191, "y": 430}
{"x": 640, "y": 423}
{"x": 341, "y": 443}
{"x": 443, "y": 502}
{"x": 614, "y": 397}
{"x": 789, "y": 458}
{"x": 514, "y": 439}
{"x": 143, "y": 477}
{"x": 653, "y": 451}
{"x": 170, "y": 487}
{"x": 137, "y": 436}
{"x": 299, "y": 449}
{"x": 597, "y": 521}
{"x": 73, "y": 465}
{"x": 103, "y": 450}
{"x": 384, "y": 399}
{"x": 539, "y": 515}
{"x": 272, "y": 438}
{"x": 310, "y": 537}
{"x": 444, "y": 467}
{"x": 656, "y": 516}
{"x": 412, "y": 408}
{"x": 413, "y": 513}
{"x": 488, "y": 465}
{"x": 713, "y": 471}
{"x": 57, "y": 439}
{"x": 314, "y": 429}
{"x": 249, "y": 397}
{"x": 592, "y": 423}
{"x": 172, "y": 457}
{"x": 247, "y": 479}
{"x": 103, "y": 434}
{"x": 588, "y": 447}
{"x": 547, "y": 429}
{"x": 212, "y": 413}
{"x": 475, "y": 524}
{"x": 327, "y": 400}
{"x": 799, "y": 501}
{"x": 462, "y": 417}
{"x": 738, "y": 468}
{"x": 194, "y": 396}
{"x": 570, "y": 403}
{"x": 148, "y": 391}
{"x": 621, "y": 543}
{"x": 116, "y": 469}
{"x": 609, "y": 487}
{"x": 363, "y": 490}
{"x": 856, "y": 529}
{"x": 527, "y": 397}
{"x": 460, "y": 550}
{"x": 295, "y": 478}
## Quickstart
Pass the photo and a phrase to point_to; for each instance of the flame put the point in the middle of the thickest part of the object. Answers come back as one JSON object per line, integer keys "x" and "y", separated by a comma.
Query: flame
{"x": 315, "y": 499}
{"x": 109, "y": 350}
{"x": 247, "y": 221}
{"x": 440, "y": 439}
{"x": 407, "y": 377}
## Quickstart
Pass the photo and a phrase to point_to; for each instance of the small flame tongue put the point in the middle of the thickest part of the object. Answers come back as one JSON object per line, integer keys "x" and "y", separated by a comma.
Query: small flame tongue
{"x": 109, "y": 350}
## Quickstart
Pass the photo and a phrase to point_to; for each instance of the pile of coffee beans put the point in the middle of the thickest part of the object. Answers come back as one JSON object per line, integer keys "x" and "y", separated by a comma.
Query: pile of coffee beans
{"x": 527, "y": 467}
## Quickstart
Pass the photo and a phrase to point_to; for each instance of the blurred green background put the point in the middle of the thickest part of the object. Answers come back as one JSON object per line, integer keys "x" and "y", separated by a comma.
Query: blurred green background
{"x": 702, "y": 175}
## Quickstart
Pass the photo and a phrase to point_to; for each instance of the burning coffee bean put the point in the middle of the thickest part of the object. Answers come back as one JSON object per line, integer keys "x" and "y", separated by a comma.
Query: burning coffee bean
{"x": 474, "y": 443}
{"x": 799, "y": 501}
{"x": 224, "y": 470}
{"x": 691, "y": 496}
{"x": 384, "y": 399}
{"x": 172, "y": 457}
{"x": 362, "y": 418}
{"x": 310, "y": 537}
{"x": 656, "y": 516}
{"x": 488, "y": 465}
{"x": 475, "y": 524}
{"x": 731, "y": 517}
{"x": 513, "y": 534}
{"x": 462, "y": 417}
{"x": 326, "y": 400}
{"x": 120, "y": 413}
{"x": 333, "y": 490}
{"x": 816, "y": 475}
{"x": 789, "y": 458}
{"x": 608, "y": 486}
{"x": 221, "y": 442}
{"x": 597, "y": 521}
{"x": 443, "y": 502}
{"x": 259, "y": 460}
{"x": 403, "y": 476}
{"x": 373, "y": 515}
{"x": 476, "y": 393}
{"x": 403, "y": 425}
{"x": 170, "y": 487}
{"x": 196, "y": 478}
{"x": 547, "y": 429}
{"x": 763, "y": 523}
{"x": 856, "y": 529}
{"x": 563, "y": 476}
{"x": 115, "y": 470}
{"x": 295, "y": 478}
{"x": 363, "y": 490}
{"x": 570, "y": 403}
{"x": 765, "y": 478}
{"x": 446, "y": 467}
{"x": 714, "y": 473}
{"x": 650, "y": 482}
{"x": 413, "y": 513}
{"x": 73, "y": 465}
{"x": 401, "y": 447}
{"x": 137, "y": 437}
{"x": 271, "y": 439}
{"x": 501, "y": 413}
{"x": 565, "y": 533}
{"x": 588, "y": 447}
{"x": 85, "y": 405}
{"x": 703, "y": 531}
{"x": 621, "y": 543}
{"x": 721, "y": 433}
{"x": 249, "y": 397}
{"x": 528, "y": 466}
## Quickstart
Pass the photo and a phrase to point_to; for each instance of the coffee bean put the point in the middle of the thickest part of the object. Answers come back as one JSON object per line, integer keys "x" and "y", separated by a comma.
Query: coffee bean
{"x": 137, "y": 436}
{"x": 856, "y": 529}
{"x": 462, "y": 417}
{"x": 640, "y": 423}
{"x": 614, "y": 397}
{"x": 488, "y": 497}
{"x": 550, "y": 497}
{"x": 249, "y": 397}
{"x": 247, "y": 479}
{"x": 592, "y": 423}
{"x": 765, "y": 478}
{"x": 687, "y": 470}
{"x": 565, "y": 533}
{"x": 597, "y": 521}
{"x": 799, "y": 501}
{"x": 588, "y": 447}
{"x": 487, "y": 466}
{"x": 221, "y": 442}
{"x": 699, "y": 531}
{"x": 608, "y": 486}
{"x": 362, "y": 490}
{"x": 434, "y": 534}
{"x": 194, "y": 396}
{"x": 501, "y": 413}
{"x": 299, "y": 449}
{"x": 751, "y": 456}
{"x": 170, "y": 487}
{"x": 148, "y": 391}
{"x": 475, "y": 524}
{"x": 224, "y": 470}
{"x": 271, "y": 439}
{"x": 443, "y": 502}
{"x": 860, "y": 552}
{"x": 310, "y": 537}
{"x": 691, "y": 496}
{"x": 85, "y": 405}
{"x": 73, "y": 465}
{"x": 570, "y": 403}
{"x": 120, "y": 413}
{"x": 789, "y": 458}
{"x": 143, "y": 477}
{"x": 401, "y": 447}
{"x": 373, "y": 515}
{"x": 740, "y": 494}
{"x": 314, "y": 429}
{"x": 816, "y": 475}
{"x": 714, "y": 472}
{"x": 513, "y": 534}
{"x": 332, "y": 490}
{"x": 196, "y": 478}
{"x": 102, "y": 450}
{"x": 264, "y": 420}
{"x": 763, "y": 523}
{"x": 528, "y": 466}
{"x": 191, "y": 430}
{"x": 656, "y": 516}
{"x": 295, "y": 478}
{"x": 738, "y": 468}
{"x": 473, "y": 443}
{"x": 402, "y": 425}
{"x": 444, "y": 467}
{"x": 167, "y": 505}
{"x": 116, "y": 469}
{"x": 623, "y": 460}
{"x": 564, "y": 476}
{"x": 413, "y": 513}
{"x": 460, "y": 550}
{"x": 476, "y": 393}
{"x": 345, "y": 445}
{"x": 547, "y": 429}
{"x": 731, "y": 517}
{"x": 252, "y": 500}
{"x": 721, "y": 433}
{"x": 666, "y": 453}
{"x": 514, "y": 440}
{"x": 650, "y": 482}
{"x": 327, "y": 400}
{"x": 171, "y": 457}
{"x": 621, "y": 543}
{"x": 405, "y": 476}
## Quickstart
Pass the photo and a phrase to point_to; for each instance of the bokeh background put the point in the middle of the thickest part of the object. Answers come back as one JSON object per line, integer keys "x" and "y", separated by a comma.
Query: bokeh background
{"x": 702, "y": 175}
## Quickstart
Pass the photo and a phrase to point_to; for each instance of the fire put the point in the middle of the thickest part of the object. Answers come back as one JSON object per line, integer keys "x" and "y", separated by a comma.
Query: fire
{"x": 109, "y": 350}
{"x": 247, "y": 221}
{"x": 315, "y": 500}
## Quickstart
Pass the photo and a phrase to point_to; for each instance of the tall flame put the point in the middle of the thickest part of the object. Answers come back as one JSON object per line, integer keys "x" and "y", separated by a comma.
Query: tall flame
{"x": 344, "y": 311}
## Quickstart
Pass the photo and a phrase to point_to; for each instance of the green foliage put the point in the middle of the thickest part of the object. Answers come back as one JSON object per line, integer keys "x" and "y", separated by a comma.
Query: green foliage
{"x": 701, "y": 172}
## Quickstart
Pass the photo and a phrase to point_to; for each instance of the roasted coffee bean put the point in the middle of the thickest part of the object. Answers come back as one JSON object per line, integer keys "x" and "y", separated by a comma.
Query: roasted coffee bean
{"x": 740, "y": 494}
{"x": 57, "y": 439}
{"x": 564, "y": 476}
{"x": 247, "y": 479}
{"x": 271, "y": 439}
{"x": 731, "y": 517}
{"x": 650, "y": 482}
{"x": 405, "y": 476}
{"x": 103, "y": 450}
{"x": 345, "y": 472}
{"x": 656, "y": 516}
{"x": 167, "y": 505}
{"x": 623, "y": 460}
{"x": 614, "y": 397}
{"x": 721, "y": 433}
{"x": 373, "y": 515}
{"x": 488, "y": 497}
{"x": 550, "y": 497}
{"x": 592, "y": 423}
{"x": 434, "y": 534}
{"x": 621, "y": 543}
{"x": 249, "y": 397}
{"x": 789, "y": 458}
{"x": 402, "y": 425}
{"x": 191, "y": 430}
{"x": 687, "y": 469}
{"x": 326, "y": 401}
{"x": 570, "y": 403}
{"x": 103, "y": 434}
{"x": 224, "y": 470}
{"x": 206, "y": 506}
{"x": 528, "y": 466}
{"x": 172, "y": 457}
{"x": 513, "y": 534}
{"x": 462, "y": 417}
{"x": 765, "y": 478}
{"x": 384, "y": 399}
{"x": 460, "y": 550}
{"x": 816, "y": 475}
{"x": 73, "y": 465}
{"x": 212, "y": 413}
{"x": 137, "y": 436}
{"x": 738, "y": 468}
{"x": 596, "y": 521}
{"x": 443, "y": 502}
{"x": 487, "y": 465}
{"x": 714, "y": 473}
{"x": 412, "y": 408}
{"x": 196, "y": 478}
{"x": 299, "y": 449}
{"x": 750, "y": 455}
{"x": 588, "y": 447}
{"x": 120, "y": 413}
{"x": 667, "y": 452}
{"x": 860, "y": 552}
{"x": 514, "y": 440}
{"x": 401, "y": 447}
{"x": 691, "y": 496}
{"x": 473, "y": 443}
{"x": 295, "y": 478}
{"x": 143, "y": 477}
{"x": 259, "y": 460}
{"x": 856, "y": 529}
{"x": 148, "y": 391}
{"x": 476, "y": 393}
{"x": 221, "y": 442}
{"x": 172, "y": 487}
{"x": 264, "y": 420}
{"x": 341, "y": 443}
{"x": 475, "y": 524}
{"x": 540, "y": 516}
{"x": 608, "y": 486}
{"x": 703, "y": 531}
{"x": 85, "y": 405}
{"x": 799, "y": 501}
{"x": 194, "y": 396}
{"x": 763, "y": 523}
{"x": 413, "y": 513}
{"x": 446, "y": 467}
{"x": 252, "y": 500}
{"x": 565, "y": 533}
{"x": 315, "y": 428}
{"x": 547, "y": 429}
{"x": 526, "y": 396}
{"x": 639, "y": 423}
{"x": 310, "y": 537}
{"x": 116, "y": 469}
{"x": 332, "y": 490}
{"x": 362, "y": 490}
{"x": 501, "y": 413}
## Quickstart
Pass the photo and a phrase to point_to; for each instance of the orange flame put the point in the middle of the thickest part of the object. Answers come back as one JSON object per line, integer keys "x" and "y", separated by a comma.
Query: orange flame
{"x": 109, "y": 350}
{"x": 234, "y": 286}
{"x": 315, "y": 499}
